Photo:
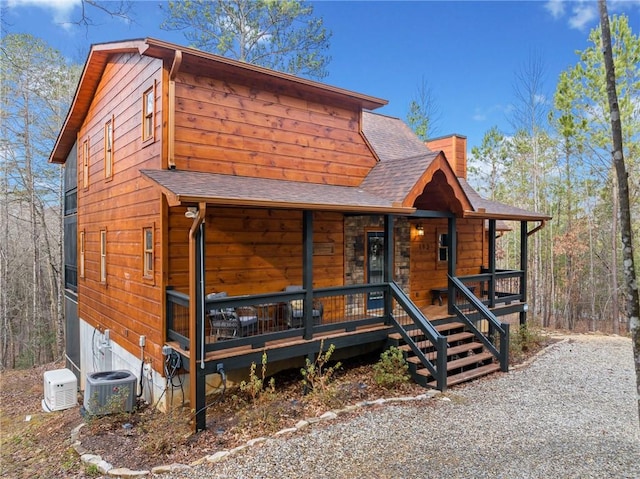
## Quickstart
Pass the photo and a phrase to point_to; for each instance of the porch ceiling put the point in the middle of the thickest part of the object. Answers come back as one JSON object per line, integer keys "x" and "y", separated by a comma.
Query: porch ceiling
{"x": 188, "y": 187}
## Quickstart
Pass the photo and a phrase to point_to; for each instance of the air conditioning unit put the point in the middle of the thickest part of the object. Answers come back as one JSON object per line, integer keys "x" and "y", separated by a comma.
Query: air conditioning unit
{"x": 60, "y": 390}
{"x": 110, "y": 392}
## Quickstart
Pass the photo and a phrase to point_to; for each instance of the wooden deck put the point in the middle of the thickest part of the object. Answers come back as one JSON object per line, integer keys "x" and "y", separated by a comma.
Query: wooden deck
{"x": 242, "y": 356}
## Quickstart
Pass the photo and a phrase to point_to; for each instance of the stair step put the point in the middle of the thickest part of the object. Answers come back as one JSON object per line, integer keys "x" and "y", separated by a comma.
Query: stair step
{"x": 441, "y": 328}
{"x": 450, "y": 339}
{"x": 460, "y": 363}
{"x": 462, "y": 348}
{"x": 468, "y": 375}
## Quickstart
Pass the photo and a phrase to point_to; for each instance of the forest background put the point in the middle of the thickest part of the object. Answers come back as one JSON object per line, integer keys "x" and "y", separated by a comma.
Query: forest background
{"x": 556, "y": 158}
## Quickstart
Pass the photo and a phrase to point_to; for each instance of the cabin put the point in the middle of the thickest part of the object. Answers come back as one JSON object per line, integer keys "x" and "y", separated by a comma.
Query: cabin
{"x": 216, "y": 210}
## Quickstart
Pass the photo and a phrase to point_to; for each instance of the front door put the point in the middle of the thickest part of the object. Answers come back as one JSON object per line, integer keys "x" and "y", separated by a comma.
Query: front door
{"x": 375, "y": 267}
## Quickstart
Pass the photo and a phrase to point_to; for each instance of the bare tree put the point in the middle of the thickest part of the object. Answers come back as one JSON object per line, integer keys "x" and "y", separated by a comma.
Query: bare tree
{"x": 424, "y": 112}
{"x": 113, "y": 9}
{"x": 35, "y": 84}
{"x": 633, "y": 303}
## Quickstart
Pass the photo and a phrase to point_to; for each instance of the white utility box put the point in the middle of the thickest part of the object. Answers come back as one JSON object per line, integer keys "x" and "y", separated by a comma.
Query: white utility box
{"x": 60, "y": 390}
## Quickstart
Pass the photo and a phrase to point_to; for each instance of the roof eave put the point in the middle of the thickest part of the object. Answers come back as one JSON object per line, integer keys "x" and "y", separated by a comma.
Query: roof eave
{"x": 95, "y": 64}
{"x": 163, "y": 49}
{"x": 505, "y": 216}
{"x": 219, "y": 201}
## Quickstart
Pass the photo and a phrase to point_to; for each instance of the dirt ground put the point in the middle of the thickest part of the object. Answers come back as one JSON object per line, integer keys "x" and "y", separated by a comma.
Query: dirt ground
{"x": 36, "y": 444}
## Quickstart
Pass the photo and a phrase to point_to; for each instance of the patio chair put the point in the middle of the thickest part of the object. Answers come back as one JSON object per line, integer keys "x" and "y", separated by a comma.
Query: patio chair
{"x": 294, "y": 310}
{"x": 231, "y": 322}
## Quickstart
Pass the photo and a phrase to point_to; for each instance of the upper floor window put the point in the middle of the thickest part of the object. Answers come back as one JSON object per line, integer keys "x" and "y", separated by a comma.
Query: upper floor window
{"x": 148, "y": 114}
{"x": 85, "y": 163}
{"x": 103, "y": 256}
{"x": 147, "y": 262}
{"x": 108, "y": 149}
{"x": 81, "y": 265}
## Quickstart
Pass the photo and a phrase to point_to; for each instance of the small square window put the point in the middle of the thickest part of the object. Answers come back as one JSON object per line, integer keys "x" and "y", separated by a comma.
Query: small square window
{"x": 108, "y": 149}
{"x": 147, "y": 267}
{"x": 148, "y": 114}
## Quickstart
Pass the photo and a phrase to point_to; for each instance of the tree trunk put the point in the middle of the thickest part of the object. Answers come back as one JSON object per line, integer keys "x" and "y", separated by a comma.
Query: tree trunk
{"x": 631, "y": 285}
{"x": 615, "y": 306}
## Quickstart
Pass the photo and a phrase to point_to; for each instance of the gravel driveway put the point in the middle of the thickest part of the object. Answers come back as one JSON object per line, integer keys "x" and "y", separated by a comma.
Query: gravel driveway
{"x": 571, "y": 413}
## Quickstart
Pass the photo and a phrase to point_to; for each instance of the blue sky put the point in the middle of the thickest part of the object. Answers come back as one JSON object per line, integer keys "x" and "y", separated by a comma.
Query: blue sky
{"x": 467, "y": 52}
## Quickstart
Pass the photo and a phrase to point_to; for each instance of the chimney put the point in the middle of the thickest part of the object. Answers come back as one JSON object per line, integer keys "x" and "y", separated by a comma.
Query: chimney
{"x": 454, "y": 148}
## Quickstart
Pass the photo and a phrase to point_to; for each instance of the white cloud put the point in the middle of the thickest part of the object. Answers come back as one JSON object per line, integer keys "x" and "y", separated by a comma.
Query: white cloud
{"x": 582, "y": 15}
{"x": 61, "y": 8}
{"x": 479, "y": 115}
{"x": 555, "y": 7}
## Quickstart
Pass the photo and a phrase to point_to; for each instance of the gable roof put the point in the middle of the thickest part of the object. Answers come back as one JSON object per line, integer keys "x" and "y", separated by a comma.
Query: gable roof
{"x": 406, "y": 164}
{"x": 406, "y": 171}
{"x": 196, "y": 60}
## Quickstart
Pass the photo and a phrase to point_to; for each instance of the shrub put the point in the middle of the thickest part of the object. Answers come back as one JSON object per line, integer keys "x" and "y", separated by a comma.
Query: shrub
{"x": 254, "y": 387}
{"x": 392, "y": 369}
{"x": 524, "y": 340}
{"x": 316, "y": 375}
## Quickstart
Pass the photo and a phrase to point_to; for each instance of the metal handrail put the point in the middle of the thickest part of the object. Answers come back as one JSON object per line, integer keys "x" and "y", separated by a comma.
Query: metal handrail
{"x": 439, "y": 370}
{"x": 484, "y": 313}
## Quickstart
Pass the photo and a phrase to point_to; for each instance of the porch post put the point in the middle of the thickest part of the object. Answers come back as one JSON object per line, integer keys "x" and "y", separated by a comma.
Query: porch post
{"x": 524, "y": 240}
{"x": 197, "y": 391}
{"x": 388, "y": 264}
{"x": 201, "y": 416}
{"x": 453, "y": 249}
{"x": 307, "y": 271}
{"x": 492, "y": 263}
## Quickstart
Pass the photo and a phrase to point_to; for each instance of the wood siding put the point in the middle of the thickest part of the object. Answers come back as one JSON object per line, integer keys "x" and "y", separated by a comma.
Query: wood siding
{"x": 127, "y": 304}
{"x": 231, "y": 128}
{"x": 427, "y": 272}
{"x": 251, "y": 251}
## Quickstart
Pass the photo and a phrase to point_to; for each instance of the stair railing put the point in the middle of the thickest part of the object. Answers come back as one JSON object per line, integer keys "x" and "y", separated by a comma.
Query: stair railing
{"x": 478, "y": 311}
{"x": 438, "y": 369}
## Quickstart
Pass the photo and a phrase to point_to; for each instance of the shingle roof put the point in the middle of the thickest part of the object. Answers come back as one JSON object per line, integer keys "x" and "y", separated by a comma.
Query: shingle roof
{"x": 494, "y": 209}
{"x": 190, "y": 186}
{"x": 391, "y": 138}
{"x": 394, "y": 179}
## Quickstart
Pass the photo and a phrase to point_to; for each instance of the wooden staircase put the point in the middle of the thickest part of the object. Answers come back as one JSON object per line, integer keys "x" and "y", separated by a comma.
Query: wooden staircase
{"x": 467, "y": 358}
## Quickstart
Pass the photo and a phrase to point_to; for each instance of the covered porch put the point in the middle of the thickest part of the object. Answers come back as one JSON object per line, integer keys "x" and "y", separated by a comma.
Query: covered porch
{"x": 215, "y": 333}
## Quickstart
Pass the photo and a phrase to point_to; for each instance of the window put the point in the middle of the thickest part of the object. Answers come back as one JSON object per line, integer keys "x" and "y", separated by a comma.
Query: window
{"x": 443, "y": 247}
{"x": 85, "y": 163}
{"x": 103, "y": 256}
{"x": 81, "y": 265}
{"x": 147, "y": 261}
{"x": 148, "y": 110}
{"x": 108, "y": 149}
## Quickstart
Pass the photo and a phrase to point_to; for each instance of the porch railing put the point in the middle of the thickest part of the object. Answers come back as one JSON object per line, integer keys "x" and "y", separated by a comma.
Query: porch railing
{"x": 504, "y": 287}
{"x": 480, "y": 321}
{"x": 343, "y": 308}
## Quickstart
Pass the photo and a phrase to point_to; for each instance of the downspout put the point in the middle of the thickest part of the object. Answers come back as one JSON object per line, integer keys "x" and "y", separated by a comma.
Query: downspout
{"x": 537, "y": 228}
{"x": 171, "y": 114}
{"x": 193, "y": 306}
